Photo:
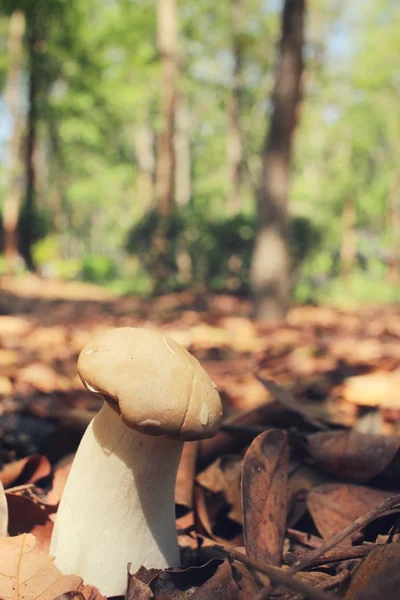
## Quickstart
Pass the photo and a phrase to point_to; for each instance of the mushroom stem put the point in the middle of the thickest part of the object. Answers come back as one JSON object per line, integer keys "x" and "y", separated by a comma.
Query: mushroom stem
{"x": 118, "y": 505}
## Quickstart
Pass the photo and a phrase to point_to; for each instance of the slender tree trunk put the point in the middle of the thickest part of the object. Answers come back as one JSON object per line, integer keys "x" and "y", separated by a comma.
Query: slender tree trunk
{"x": 167, "y": 46}
{"x": 167, "y": 33}
{"x": 183, "y": 173}
{"x": 270, "y": 270}
{"x": 394, "y": 215}
{"x": 235, "y": 135}
{"x": 33, "y": 42}
{"x": 348, "y": 248}
{"x": 12, "y": 201}
{"x": 144, "y": 150}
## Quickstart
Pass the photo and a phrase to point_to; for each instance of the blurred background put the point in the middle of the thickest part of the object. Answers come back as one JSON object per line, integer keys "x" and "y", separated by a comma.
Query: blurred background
{"x": 244, "y": 146}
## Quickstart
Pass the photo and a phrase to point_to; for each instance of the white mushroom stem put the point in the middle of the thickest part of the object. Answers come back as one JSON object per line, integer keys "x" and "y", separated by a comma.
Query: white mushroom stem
{"x": 118, "y": 505}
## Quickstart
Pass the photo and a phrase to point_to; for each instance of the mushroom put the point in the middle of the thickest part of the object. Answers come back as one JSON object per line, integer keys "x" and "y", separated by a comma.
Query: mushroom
{"x": 118, "y": 503}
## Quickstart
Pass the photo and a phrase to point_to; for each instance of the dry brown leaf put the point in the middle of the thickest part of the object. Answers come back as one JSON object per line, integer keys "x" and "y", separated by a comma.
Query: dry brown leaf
{"x": 335, "y": 506}
{"x": 212, "y": 581}
{"x": 59, "y": 480}
{"x": 373, "y": 389}
{"x": 27, "y": 470}
{"x": 207, "y": 510}
{"x": 264, "y": 494}
{"x": 351, "y": 455}
{"x": 41, "y": 377}
{"x": 27, "y": 574}
{"x": 223, "y": 476}
{"x": 13, "y": 327}
{"x": 379, "y": 572}
{"x": 137, "y": 590}
{"x": 27, "y": 516}
{"x": 6, "y": 386}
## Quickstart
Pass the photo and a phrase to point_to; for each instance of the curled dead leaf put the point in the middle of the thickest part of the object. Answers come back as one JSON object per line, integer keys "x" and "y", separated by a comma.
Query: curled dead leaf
{"x": 351, "y": 455}
{"x": 27, "y": 516}
{"x": 223, "y": 476}
{"x": 27, "y": 470}
{"x": 335, "y": 506}
{"x": 378, "y": 575}
{"x": 264, "y": 497}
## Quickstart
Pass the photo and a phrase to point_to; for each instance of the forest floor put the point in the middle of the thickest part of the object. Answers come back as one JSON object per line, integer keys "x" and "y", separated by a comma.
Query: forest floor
{"x": 314, "y": 399}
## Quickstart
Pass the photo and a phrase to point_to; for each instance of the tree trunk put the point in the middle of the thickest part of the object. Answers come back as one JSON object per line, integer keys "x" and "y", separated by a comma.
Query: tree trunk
{"x": 183, "y": 174}
{"x": 167, "y": 47}
{"x": 394, "y": 213}
{"x": 167, "y": 34}
{"x": 144, "y": 150}
{"x": 33, "y": 43}
{"x": 270, "y": 270}
{"x": 235, "y": 135}
{"x": 348, "y": 248}
{"x": 13, "y": 95}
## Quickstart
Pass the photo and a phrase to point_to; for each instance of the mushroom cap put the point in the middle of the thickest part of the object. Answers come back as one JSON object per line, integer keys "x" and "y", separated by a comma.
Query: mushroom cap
{"x": 153, "y": 382}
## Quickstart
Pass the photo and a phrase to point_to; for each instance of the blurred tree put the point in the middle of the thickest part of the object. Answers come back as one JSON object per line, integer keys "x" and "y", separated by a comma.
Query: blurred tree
{"x": 270, "y": 271}
{"x": 235, "y": 135}
{"x": 167, "y": 37}
{"x": 14, "y": 99}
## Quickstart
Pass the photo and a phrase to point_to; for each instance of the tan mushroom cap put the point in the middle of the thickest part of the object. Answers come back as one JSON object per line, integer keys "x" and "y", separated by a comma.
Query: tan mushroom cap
{"x": 159, "y": 388}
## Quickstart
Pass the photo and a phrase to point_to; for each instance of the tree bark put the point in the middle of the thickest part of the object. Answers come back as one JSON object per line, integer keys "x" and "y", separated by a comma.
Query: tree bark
{"x": 167, "y": 46}
{"x": 13, "y": 95}
{"x": 33, "y": 43}
{"x": 167, "y": 33}
{"x": 144, "y": 150}
{"x": 271, "y": 268}
{"x": 235, "y": 134}
{"x": 394, "y": 229}
{"x": 348, "y": 250}
{"x": 183, "y": 173}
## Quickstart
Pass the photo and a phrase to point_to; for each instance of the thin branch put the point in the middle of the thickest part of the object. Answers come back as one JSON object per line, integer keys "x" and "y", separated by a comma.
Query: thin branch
{"x": 337, "y": 555}
{"x": 279, "y": 576}
{"x": 309, "y": 560}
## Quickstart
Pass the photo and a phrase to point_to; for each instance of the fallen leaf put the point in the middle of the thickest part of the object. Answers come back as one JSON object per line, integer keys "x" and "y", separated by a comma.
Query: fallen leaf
{"x": 27, "y": 470}
{"x": 27, "y": 516}
{"x": 271, "y": 414}
{"x": 221, "y": 586}
{"x": 208, "y": 508}
{"x": 137, "y": 590}
{"x": 264, "y": 497}
{"x": 373, "y": 389}
{"x": 6, "y": 386}
{"x": 351, "y": 455}
{"x": 41, "y": 377}
{"x": 223, "y": 476}
{"x": 27, "y": 574}
{"x": 335, "y": 506}
{"x": 59, "y": 480}
{"x": 179, "y": 584}
{"x": 378, "y": 573}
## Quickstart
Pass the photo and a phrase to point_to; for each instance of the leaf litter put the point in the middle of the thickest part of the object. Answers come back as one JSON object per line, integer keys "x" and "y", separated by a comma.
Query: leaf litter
{"x": 296, "y": 497}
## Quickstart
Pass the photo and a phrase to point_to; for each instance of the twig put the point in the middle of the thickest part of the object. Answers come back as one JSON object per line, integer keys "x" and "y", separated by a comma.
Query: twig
{"x": 279, "y": 576}
{"x": 337, "y": 555}
{"x": 308, "y": 560}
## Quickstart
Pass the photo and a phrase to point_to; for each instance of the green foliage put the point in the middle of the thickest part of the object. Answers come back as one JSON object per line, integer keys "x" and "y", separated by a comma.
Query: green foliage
{"x": 99, "y": 85}
{"x": 98, "y": 269}
{"x": 210, "y": 253}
